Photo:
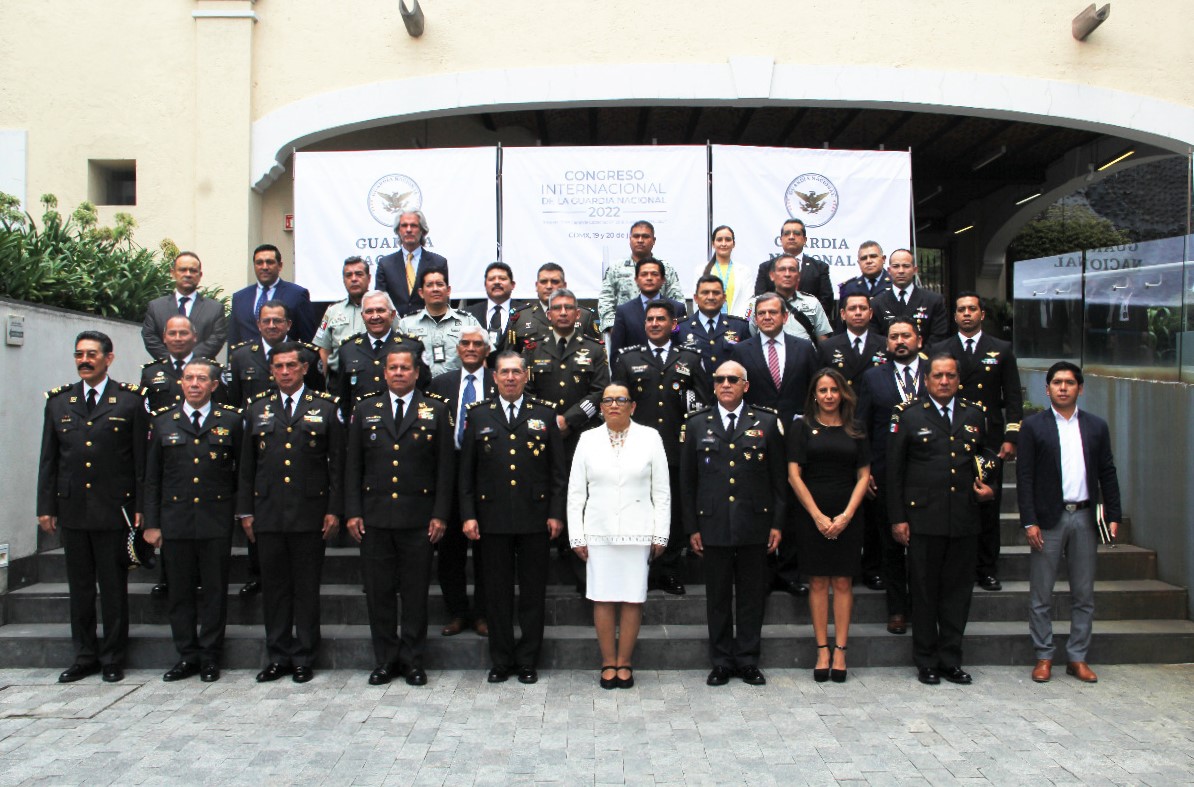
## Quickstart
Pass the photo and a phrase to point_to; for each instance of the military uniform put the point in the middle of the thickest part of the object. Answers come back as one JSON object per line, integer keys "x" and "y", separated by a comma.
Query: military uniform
{"x": 439, "y": 337}
{"x": 90, "y": 478}
{"x": 734, "y": 491}
{"x": 190, "y": 495}
{"x": 290, "y": 477}
{"x": 837, "y": 352}
{"x": 860, "y": 285}
{"x": 162, "y": 382}
{"x": 926, "y": 455}
{"x": 618, "y": 286}
{"x": 924, "y": 307}
{"x": 513, "y": 478}
{"x": 398, "y": 477}
{"x": 341, "y": 321}
{"x": 572, "y": 379}
{"x": 530, "y": 323}
{"x": 806, "y": 306}
{"x": 363, "y": 367}
{"x": 714, "y": 346}
{"x": 664, "y": 392}
{"x": 249, "y": 374}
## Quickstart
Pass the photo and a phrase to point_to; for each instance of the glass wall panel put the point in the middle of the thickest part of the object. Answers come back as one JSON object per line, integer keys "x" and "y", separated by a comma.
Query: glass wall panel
{"x": 1047, "y": 310}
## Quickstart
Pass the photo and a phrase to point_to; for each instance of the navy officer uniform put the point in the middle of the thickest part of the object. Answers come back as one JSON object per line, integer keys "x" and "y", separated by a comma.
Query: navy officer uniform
{"x": 839, "y": 352}
{"x": 923, "y": 307}
{"x": 862, "y": 285}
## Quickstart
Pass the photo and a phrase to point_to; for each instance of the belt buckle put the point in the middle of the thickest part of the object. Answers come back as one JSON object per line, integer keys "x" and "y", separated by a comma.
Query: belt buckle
{"x": 1071, "y": 507}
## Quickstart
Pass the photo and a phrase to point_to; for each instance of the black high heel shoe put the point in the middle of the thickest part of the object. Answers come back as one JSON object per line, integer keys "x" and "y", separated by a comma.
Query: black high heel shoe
{"x": 822, "y": 675}
{"x": 837, "y": 675}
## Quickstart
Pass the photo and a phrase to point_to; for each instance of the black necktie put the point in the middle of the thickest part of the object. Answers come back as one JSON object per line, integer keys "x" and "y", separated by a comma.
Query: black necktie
{"x": 858, "y": 345}
{"x": 909, "y": 383}
{"x": 945, "y": 414}
{"x": 91, "y": 400}
{"x": 196, "y": 419}
{"x": 510, "y": 408}
{"x": 659, "y": 354}
{"x": 289, "y": 405}
{"x": 178, "y": 365}
{"x": 182, "y": 304}
{"x": 561, "y": 344}
{"x": 377, "y": 343}
{"x": 397, "y": 411}
{"x": 870, "y": 285}
{"x": 731, "y": 418}
{"x": 903, "y": 297}
{"x": 495, "y": 322}
{"x": 711, "y": 324}
{"x": 970, "y": 346}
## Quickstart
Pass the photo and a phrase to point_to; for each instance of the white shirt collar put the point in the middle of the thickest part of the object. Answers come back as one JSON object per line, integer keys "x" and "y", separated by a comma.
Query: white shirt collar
{"x": 296, "y": 396}
{"x": 667, "y": 347}
{"x": 854, "y": 336}
{"x": 907, "y": 289}
{"x": 517, "y": 405}
{"x": 722, "y": 412}
{"x": 911, "y": 365}
{"x": 185, "y": 360}
{"x": 203, "y": 411}
{"x": 1061, "y": 419}
{"x": 178, "y": 296}
{"x": 99, "y": 389}
{"x": 405, "y": 400}
{"x": 490, "y": 303}
{"x": 974, "y": 338}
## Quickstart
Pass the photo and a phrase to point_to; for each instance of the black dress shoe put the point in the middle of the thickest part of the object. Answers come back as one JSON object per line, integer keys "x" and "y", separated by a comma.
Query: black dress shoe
{"x": 251, "y": 588}
{"x": 668, "y": 584}
{"x": 382, "y": 675}
{"x": 273, "y": 672}
{"x": 113, "y": 673}
{"x": 181, "y": 671}
{"x": 498, "y": 675}
{"x": 528, "y": 675}
{"x": 928, "y": 676}
{"x": 78, "y": 672}
{"x": 415, "y": 676}
{"x": 798, "y": 589}
{"x": 752, "y": 675}
{"x": 302, "y": 674}
{"x": 209, "y": 673}
{"x": 160, "y": 590}
{"x": 719, "y": 676}
{"x": 988, "y": 583}
{"x": 956, "y": 675}
{"x": 874, "y": 582}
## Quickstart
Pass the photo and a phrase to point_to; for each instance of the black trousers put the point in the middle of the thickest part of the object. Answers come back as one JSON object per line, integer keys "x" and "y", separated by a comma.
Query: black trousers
{"x": 872, "y": 538}
{"x": 508, "y": 556}
{"x": 669, "y": 563}
{"x": 735, "y": 576}
{"x": 942, "y": 581}
{"x": 291, "y": 568}
{"x": 95, "y": 556}
{"x": 397, "y": 563}
{"x": 451, "y": 571}
{"x": 988, "y": 539}
{"x": 197, "y": 619}
{"x": 894, "y": 562}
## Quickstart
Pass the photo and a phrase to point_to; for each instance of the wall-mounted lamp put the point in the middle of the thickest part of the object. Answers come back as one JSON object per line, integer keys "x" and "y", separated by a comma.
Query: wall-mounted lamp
{"x": 935, "y": 192}
{"x": 1085, "y": 23}
{"x": 995, "y": 155}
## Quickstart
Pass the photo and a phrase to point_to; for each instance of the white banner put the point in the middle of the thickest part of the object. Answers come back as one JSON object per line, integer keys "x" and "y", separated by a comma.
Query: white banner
{"x": 574, "y": 206}
{"x": 345, "y": 203}
{"x": 844, "y": 197}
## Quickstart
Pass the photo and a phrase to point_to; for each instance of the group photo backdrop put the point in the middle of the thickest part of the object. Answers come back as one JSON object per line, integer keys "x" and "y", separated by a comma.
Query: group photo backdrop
{"x": 574, "y": 206}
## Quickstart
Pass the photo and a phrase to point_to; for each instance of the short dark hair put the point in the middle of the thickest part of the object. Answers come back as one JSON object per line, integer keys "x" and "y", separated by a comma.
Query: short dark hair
{"x": 356, "y": 260}
{"x": 902, "y": 321}
{"x": 549, "y": 266}
{"x": 803, "y": 229}
{"x": 1064, "y": 366}
{"x": 499, "y": 266}
{"x": 403, "y": 350}
{"x": 638, "y": 266}
{"x": 643, "y": 223}
{"x": 274, "y": 303}
{"x": 286, "y": 347}
{"x": 186, "y": 254}
{"x": 710, "y": 278}
{"x": 970, "y": 294}
{"x": 845, "y": 299}
{"x": 428, "y": 272}
{"x": 763, "y": 297}
{"x": 508, "y": 353}
{"x": 213, "y": 368}
{"x": 944, "y": 357}
{"x": 268, "y": 247}
{"x": 105, "y": 341}
{"x": 775, "y": 261}
{"x": 667, "y": 306}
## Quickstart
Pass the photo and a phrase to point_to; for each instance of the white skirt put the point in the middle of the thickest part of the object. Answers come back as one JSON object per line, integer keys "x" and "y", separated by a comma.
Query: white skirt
{"x": 617, "y": 572}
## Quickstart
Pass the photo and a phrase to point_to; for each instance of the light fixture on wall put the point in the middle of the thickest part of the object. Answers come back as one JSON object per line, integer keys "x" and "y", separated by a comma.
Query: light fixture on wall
{"x": 993, "y": 156}
{"x": 412, "y": 18}
{"x": 1085, "y": 23}
{"x": 1115, "y": 160}
{"x": 1028, "y": 199}
{"x": 967, "y": 228}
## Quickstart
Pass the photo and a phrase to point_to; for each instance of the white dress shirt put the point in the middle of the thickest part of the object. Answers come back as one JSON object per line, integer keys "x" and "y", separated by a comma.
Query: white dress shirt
{"x": 1073, "y": 461}
{"x": 781, "y": 352}
{"x": 187, "y": 411}
{"x": 405, "y": 402}
{"x": 725, "y": 414}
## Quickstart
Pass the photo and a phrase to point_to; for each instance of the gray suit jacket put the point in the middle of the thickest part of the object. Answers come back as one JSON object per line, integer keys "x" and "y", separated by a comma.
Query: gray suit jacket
{"x": 208, "y": 316}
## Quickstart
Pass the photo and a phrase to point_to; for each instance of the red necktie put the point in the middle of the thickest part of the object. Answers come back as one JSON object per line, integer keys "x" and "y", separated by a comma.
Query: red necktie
{"x": 773, "y": 363}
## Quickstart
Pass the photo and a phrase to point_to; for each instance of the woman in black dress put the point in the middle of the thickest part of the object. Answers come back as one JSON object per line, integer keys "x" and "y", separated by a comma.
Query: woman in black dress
{"x": 829, "y": 466}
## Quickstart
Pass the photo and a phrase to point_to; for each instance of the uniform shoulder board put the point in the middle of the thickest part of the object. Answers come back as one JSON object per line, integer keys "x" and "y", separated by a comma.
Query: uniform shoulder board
{"x": 700, "y": 410}
{"x": 325, "y": 395}
{"x": 471, "y": 405}
{"x": 153, "y": 363}
{"x": 229, "y": 408}
{"x": 262, "y": 395}
{"x": 238, "y": 345}
{"x": 437, "y": 397}
{"x": 631, "y": 348}
{"x": 356, "y": 338}
{"x": 58, "y": 390}
{"x": 371, "y": 395}
{"x": 212, "y": 361}
{"x": 902, "y": 406}
{"x": 765, "y": 409}
{"x": 542, "y": 402}
{"x": 309, "y": 346}
{"x": 922, "y": 356}
{"x": 162, "y": 410}
{"x": 134, "y": 388}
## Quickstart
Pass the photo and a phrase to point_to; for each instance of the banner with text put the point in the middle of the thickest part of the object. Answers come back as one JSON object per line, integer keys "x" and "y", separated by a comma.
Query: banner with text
{"x": 574, "y": 206}
{"x": 844, "y": 197}
{"x": 346, "y": 203}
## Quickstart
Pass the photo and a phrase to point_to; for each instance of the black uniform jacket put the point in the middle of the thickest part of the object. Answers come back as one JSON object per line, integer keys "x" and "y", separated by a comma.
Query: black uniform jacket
{"x": 733, "y": 485}
{"x": 292, "y": 469}
{"x": 664, "y": 393}
{"x": 837, "y": 352}
{"x": 990, "y": 377}
{"x": 531, "y": 323}
{"x": 513, "y": 477}
{"x": 92, "y": 464}
{"x": 574, "y": 381}
{"x": 924, "y": 307}
{"x": 714, "y": 347}
{"x": 163, "y": 388}
{"x": 249, "y": 373}
{"x": 363, "y": 369}
{"x": 400, "y": 476}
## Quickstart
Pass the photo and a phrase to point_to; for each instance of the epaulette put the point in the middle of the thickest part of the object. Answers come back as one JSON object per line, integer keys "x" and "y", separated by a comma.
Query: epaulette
{"x": 262, "y": 394}
{"x": 58, "y": 390}
{"x": 212, "y": 361}
{"x": 922, "y": 356}
{"x": 700, "y": 410}
{"x": 325, "y": 395}
{"x": 238, "y": 345}
{"x": 625, "y": 350}
{"x": 523, "y": 308}
{"x": 899, "y": 408}
{"x": 154, "y": 362}
{"x": 764, "y": 408}
{"x": 471, "y": 405}
{"x": 134, "y": 388}
{"x": 356, "y": 338}
{"x": 370, "y": 395}
{"x": 308, "y": 346}
{"x": 229, "y": 408}
{"x": 437, "y": 397}
{"x": 162, "y": 410}
{"x": 402, "y": 335}
{"x": 543, "y": 402}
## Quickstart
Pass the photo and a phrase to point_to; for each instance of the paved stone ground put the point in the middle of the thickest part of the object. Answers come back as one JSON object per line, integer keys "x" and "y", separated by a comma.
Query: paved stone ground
{"x": 1136, "y": 726}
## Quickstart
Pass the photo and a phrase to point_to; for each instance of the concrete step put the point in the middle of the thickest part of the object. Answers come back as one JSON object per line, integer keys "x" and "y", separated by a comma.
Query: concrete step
{"x": 345, "y": 605}
{"x": 1011, "y": 532}
{"x": 659, "y": 646}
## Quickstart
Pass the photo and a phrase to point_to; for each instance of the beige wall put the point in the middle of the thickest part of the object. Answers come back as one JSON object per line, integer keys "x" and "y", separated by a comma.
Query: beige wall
{"x": 143, "y": 79}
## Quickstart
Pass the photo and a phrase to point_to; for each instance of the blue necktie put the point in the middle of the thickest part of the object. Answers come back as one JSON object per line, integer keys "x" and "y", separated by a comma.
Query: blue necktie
{"x": 260, "y": 300}
{"x": 470, "y": 396}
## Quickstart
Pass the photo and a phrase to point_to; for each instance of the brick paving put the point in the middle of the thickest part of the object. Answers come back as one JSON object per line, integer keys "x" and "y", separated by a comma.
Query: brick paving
{"x": 1136, "y": 726}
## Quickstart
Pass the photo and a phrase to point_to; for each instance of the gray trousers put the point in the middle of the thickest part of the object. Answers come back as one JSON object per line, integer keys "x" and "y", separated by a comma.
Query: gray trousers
{"x": 1073, "y": 538}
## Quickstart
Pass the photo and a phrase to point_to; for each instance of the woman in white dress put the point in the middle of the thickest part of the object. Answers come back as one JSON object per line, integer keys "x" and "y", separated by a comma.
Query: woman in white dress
{"x": 619, "y": 515}
{"x": 738, "y": 280}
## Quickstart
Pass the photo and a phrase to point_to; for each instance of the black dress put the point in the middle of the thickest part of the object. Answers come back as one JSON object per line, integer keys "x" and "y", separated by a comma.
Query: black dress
{"x": 829, "y": 460}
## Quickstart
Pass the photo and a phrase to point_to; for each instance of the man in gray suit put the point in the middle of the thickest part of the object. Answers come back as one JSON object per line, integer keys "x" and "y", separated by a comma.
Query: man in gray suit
{"x": 211, "y": 326}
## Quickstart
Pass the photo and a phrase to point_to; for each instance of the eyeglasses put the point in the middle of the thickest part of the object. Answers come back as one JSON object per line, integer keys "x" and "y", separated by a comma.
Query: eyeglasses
{"x": 732, "y": 379}
{"x": 616, "y": 400}
{"x": 562, "y": 307}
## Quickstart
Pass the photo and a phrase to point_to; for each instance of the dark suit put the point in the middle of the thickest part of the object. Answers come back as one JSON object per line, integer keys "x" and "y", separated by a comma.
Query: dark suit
{"x": 290, "y": 477}
{"x": 250, "y": 373}
{"x": 814, "y": 280}
{"x": 878, "y": 395}
{"x": 512, "y": 494}
{"x": 454, "y": 546}
{"x": 398, "y": 477}
{"x": 926, "y": 457}
{"x": 90, "y": 477}
{"x": 484, "y": 314}
{"x": 924, "y": 307}
{"x": 243, "y": 326}
{"x": 837, "y": 352}
{"x": 211, "y": 326}
{"x": 798, "y": 371}
{"x": 391, "y": 278}
{"x": 735, "y": 487}
{"x": 362, "y": 368}
{"x": 530, "y": 323}
{"x": 630, "y": 324}
{"x": 190, "y": 494}
{"x": 990, "y": 377}
{"x": 859, "y": 286}
{"x": 714, "y": 346}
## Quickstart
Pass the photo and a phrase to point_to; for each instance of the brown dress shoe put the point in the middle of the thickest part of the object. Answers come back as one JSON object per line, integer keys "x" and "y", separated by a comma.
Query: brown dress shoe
{"x": 454, "y": 627}
{"x": 897, "y": 624}
{"x": 1043, "y": 670}
{"x": 481, "y": 627}
{"x": 1082, "y": 672}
